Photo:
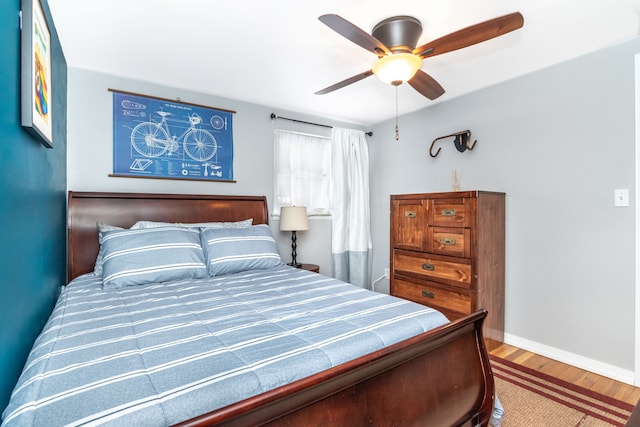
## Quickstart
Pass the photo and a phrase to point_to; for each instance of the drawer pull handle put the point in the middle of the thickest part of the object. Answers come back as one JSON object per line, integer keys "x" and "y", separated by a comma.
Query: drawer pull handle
{"x": 448, "y": 241}
{"x": 428, "y": 294}
{"x": 429, "y": 267}
{"x": 410, "y": 214}
{"x": 448, "y": 212}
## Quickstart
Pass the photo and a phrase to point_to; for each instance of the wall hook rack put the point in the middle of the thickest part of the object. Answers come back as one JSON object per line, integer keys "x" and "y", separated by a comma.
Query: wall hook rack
{"x": 461, "y": 142}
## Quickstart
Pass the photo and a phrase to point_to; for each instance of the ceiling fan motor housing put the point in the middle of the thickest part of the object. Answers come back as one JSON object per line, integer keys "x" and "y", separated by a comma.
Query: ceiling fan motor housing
{"x": 398, "y": 33}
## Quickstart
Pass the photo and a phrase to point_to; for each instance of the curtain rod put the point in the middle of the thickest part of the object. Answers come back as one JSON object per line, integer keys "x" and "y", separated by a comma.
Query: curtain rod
{"x": 275, "y": 116}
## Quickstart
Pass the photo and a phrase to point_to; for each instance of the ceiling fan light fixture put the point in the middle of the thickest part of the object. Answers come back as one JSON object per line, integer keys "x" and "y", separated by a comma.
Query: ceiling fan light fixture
{"x": 397, "y": 68}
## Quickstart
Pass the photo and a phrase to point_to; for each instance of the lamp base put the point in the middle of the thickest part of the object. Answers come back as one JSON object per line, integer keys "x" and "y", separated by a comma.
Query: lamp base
{"x": 294, "y": 262}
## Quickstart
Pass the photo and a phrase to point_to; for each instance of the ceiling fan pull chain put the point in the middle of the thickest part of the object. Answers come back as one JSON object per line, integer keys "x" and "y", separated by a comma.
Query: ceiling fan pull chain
{"x": 397, "y": 134}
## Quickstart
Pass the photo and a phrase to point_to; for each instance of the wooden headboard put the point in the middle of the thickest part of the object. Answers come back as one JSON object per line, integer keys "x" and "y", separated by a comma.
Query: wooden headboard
{"x": 86, "y": 209}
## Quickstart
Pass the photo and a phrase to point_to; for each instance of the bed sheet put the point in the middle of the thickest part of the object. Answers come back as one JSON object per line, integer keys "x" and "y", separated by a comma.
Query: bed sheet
{"x": 162, "y": 353}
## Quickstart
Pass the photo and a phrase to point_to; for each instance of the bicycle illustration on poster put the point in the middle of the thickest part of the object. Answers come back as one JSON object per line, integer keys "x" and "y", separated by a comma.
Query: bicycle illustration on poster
{"x": 160, "y": 138}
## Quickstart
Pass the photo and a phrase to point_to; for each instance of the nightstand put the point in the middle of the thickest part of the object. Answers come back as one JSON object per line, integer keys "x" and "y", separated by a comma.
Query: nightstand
{"x": 311, "y": 267}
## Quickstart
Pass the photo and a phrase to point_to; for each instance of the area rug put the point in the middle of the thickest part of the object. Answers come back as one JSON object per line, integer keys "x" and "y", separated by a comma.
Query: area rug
{"x": 531, "y": 398}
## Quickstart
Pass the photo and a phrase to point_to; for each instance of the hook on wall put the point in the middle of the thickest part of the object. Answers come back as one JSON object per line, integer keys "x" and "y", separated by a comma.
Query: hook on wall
{"x": 461, "y": 142}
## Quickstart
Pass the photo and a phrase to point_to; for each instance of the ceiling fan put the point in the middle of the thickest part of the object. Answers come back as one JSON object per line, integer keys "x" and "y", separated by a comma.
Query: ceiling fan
{"x": 394, "y": 41}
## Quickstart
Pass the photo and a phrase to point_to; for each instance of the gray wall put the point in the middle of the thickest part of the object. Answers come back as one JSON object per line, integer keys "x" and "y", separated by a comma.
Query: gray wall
{"x": 558, "y": 142}
{"x": 90, "y": 150}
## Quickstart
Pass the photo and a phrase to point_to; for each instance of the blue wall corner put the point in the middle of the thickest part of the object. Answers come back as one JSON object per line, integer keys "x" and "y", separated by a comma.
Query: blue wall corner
{"x": 32, "y": 207}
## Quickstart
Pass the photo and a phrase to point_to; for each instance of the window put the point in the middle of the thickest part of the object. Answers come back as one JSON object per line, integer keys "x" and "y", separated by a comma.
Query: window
{"x": 302, "y": 166}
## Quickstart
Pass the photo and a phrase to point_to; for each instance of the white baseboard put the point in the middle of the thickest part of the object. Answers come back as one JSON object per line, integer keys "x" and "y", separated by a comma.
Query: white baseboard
{"x": 576, "y": 360}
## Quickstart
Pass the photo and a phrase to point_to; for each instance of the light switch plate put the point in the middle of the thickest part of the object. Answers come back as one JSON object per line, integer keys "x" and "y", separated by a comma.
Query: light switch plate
{"x": 621, "y": 197}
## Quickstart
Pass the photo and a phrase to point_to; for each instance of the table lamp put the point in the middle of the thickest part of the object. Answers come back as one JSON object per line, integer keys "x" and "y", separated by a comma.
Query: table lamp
{"x": 293, "y": 218}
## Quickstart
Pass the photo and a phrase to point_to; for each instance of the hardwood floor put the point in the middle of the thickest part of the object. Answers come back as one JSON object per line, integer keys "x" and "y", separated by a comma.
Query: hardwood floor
{"x": 588, "y": 380}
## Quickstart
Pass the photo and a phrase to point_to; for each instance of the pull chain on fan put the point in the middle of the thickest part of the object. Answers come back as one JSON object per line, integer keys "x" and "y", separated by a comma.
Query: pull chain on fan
{"x": 397, "y": 129}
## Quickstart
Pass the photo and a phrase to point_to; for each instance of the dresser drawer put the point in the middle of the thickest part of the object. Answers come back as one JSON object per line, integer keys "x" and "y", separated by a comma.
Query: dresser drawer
{"x": 422, "y": 265}
{"x": 447, "y": 301}
{"x": 451, "y": 212}
{"x": 450, "y": 241}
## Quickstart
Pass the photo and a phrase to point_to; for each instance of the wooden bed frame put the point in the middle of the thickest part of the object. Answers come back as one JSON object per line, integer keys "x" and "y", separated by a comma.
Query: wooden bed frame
{"x": 439, "y": 378}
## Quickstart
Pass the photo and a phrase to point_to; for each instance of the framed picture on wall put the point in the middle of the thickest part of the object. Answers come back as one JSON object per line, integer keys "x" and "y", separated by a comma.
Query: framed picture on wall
{"x": 35, "y": 75}
{"x": 162, "y": 138}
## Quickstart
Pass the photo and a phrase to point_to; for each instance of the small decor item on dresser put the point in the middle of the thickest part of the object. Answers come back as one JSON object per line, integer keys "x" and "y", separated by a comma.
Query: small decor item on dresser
{"x": 461, "y": 142}
{"x": 293, "y": 218}
{"x": 456, "y": 183}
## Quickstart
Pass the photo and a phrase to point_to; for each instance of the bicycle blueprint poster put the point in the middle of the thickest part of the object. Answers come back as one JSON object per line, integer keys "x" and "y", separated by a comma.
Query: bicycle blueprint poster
{"x": 160, "y": 138}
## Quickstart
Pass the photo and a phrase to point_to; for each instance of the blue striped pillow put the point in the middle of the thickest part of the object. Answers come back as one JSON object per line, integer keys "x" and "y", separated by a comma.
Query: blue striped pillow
{"x": 136, "y": 257}
{"x": 231, "y": 250}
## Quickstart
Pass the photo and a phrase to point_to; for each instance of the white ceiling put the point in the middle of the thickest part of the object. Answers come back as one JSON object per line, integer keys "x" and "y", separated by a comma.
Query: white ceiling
{"x": 278, "y": 53}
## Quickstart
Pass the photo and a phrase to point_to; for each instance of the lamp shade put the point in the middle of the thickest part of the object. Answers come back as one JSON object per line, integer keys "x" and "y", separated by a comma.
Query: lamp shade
{"x": 293, "y": 218}
{"x": 397, "y": 68}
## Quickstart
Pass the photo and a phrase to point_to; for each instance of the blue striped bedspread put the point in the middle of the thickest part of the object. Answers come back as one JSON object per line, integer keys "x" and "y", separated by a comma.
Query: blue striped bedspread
{"x": 158, "y": 354}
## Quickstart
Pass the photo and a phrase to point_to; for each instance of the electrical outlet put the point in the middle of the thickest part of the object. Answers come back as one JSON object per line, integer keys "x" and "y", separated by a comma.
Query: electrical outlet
{"x": 386, "y": 273}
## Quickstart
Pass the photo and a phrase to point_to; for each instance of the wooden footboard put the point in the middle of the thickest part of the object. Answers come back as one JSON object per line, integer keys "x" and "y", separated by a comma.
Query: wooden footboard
{"x": 439, "y": 378}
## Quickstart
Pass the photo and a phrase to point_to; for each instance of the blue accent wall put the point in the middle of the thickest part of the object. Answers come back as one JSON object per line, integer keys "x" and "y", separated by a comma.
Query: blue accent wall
{"x": 32, "y": 205}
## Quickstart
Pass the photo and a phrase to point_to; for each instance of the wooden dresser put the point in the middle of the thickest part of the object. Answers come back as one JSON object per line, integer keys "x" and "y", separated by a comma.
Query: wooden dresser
{"x": 447, "y": 252}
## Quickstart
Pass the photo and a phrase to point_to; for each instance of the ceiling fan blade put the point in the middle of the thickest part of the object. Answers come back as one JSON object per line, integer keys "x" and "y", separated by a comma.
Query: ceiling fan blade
{"x": 346, "y": 82}
{"x": 426, "y": 85}
{"x": 471, "y": 35}
{"x": 355, "y": 34}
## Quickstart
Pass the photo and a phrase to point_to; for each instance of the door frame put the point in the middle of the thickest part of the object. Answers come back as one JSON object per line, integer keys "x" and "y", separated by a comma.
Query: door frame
{"x": 637, "y": 223}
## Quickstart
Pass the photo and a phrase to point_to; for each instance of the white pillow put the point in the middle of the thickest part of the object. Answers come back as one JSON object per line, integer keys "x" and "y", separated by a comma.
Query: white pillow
{"x": 226, "y": 224}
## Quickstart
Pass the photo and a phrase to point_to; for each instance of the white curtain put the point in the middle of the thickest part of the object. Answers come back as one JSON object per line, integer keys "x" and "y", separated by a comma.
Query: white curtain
{"x": 351, "y": 247}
